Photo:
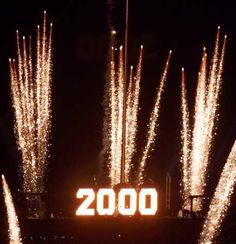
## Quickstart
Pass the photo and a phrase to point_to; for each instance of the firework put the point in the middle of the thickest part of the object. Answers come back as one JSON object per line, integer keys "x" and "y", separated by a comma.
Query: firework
{"x": 31, "y": 95}
{"x": 116, "y": 93}
{"x": 153, "y": 122}
{"x": 120, "y": 107}
{"x": 130, "y": 128}
{"x": 185, "y": 137}
{"x": 221, "y": 200}
{"x": 197, "y": 146}
{"x": 14, "y": 229}
{"x": 116, "y": 96}
{"x": 113, "y": 125}
{"x": 107, "y": 111}
{"x": 132, "y": 108}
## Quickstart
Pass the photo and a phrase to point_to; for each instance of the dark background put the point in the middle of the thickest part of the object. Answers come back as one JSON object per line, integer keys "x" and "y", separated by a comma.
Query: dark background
{"x": 81, "y": 37}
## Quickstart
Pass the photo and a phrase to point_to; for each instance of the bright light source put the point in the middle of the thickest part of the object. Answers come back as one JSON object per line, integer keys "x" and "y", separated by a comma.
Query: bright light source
{"x": 84, "y": 207}
{"x": 111, "y": 201}
{"x": 127, "y": 209}
{"x": 144, "y": 193}
{"x": 126, "y": 202}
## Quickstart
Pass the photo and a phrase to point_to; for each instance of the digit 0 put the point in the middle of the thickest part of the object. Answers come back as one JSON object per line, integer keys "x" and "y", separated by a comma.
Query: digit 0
{"x": 143, "y": 195}
{"x": 130, "y": 207}
{"x": 111, "y": 201}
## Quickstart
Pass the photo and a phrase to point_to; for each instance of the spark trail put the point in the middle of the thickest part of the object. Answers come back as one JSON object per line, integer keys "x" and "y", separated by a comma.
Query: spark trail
{"x": 116, "y": 108}
{"x": 14, "y": 229}
{"x": 221, "y": 200}
{"x": 106, "y": 121}
{"x": 130, "y": 128}
{"x": 115, "y": 104}
{"x": 199, "y": 127}
{"x": 31, "y": 95}
{"x": 120, "y": 97}
{"x": 132, "y": 114}
{"x": 116, "y": 93}
{"x": 205, "y": 116}
{"x": 114, "y": 169}
{"x": 185, "y": 137}
{"x": 153, "y": 122}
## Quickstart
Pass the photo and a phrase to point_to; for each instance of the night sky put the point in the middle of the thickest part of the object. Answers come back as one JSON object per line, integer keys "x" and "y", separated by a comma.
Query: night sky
{"x": 81, "y": 36}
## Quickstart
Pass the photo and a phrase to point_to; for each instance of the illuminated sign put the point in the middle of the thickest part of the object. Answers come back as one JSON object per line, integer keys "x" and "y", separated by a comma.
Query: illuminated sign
{"x": 106, "y": 202}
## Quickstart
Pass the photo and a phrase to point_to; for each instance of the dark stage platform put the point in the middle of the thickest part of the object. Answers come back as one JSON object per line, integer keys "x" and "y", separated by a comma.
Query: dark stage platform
{"x": 110, "y": 230}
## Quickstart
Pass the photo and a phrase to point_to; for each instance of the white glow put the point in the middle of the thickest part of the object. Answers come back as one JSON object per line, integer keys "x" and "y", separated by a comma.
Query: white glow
{"x": 124, "y": 203}
{"x": 84, "y": 209}
{"x": 143, "y": 209}
{"x": 129, "y": 209}
{"x": 111, "y": 201}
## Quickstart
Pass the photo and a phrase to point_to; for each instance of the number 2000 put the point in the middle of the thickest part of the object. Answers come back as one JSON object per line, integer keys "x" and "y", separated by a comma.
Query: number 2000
{"x": 123, "y": 207}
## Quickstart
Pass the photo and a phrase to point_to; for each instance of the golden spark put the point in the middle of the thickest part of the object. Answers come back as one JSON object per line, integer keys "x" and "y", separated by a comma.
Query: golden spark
{"x": 153, "y": 122}
{"x": 31, "y": 95}
{"x": 185, "y": 137}
{"x": 220, "y": 201}
{"x": 197, "y": 147}
{"x": 14, "y": 228}
{"x": 115, "y": 104}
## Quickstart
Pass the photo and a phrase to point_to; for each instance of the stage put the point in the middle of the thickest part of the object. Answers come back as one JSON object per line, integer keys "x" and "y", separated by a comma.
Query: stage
{"x": 110, "y": 230}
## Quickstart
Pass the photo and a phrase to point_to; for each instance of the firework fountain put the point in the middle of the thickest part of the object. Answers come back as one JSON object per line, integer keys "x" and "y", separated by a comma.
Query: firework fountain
{"x": 31, "y": 95}
{"x": 121, "y": 102}
{"x": 14, "y": 229}
{"x": 153, "y": 122}
{"x": 185, "y": 136}
{"x": 221, "y": 200}
{"x": 197, "y": 144}
{"x": 116, "y": 115}
{"x": 116, "y": 91}
{"x": 112, "y": 40}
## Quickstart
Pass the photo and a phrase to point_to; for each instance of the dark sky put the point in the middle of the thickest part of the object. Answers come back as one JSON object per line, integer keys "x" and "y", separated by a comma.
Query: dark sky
{"x": 81, "y": 35}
